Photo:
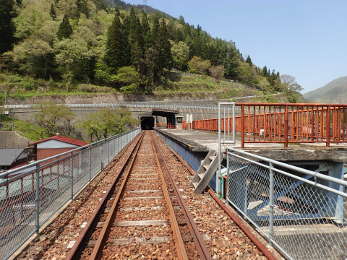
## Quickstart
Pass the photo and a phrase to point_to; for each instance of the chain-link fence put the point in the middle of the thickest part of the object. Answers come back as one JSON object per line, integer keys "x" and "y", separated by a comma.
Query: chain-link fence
{"x": 31, "y": 195}
{"x": 301, "y": 212}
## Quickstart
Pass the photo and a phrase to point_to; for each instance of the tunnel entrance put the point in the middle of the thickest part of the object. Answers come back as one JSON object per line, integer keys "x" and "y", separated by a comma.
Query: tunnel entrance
{"x": 147, "y": 123}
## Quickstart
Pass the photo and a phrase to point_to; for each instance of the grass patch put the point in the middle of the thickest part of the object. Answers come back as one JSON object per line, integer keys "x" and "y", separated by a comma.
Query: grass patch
{"x": 29, "y": 130}
{"x": 203, "y": 85}
{"x": 21, "y": 87}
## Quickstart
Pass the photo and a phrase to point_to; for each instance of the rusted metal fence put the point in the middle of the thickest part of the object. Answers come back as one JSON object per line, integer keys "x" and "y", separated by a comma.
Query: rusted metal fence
{"x": 32, "y": 194}
{"x": 285, "y": 123}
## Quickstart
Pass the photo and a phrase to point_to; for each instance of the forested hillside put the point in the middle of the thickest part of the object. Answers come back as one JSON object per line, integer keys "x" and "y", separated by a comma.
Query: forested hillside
{"x": 132, "y": 49}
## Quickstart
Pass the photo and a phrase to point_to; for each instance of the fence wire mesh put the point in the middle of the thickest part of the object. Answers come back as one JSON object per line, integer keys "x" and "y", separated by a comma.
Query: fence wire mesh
{"x": 301, "y": 212}
{"x": 31, "y": 195}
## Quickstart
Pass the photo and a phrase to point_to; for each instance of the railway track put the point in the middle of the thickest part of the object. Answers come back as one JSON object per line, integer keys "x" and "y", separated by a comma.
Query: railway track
{"x": 142, "y": 214}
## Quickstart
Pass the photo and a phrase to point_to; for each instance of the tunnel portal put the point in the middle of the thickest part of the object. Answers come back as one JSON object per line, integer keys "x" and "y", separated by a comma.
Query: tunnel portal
{"x": 147, "y": 123}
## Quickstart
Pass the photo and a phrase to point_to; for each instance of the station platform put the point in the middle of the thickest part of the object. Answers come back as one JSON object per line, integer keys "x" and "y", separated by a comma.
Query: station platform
{"x": 204, "y": 141}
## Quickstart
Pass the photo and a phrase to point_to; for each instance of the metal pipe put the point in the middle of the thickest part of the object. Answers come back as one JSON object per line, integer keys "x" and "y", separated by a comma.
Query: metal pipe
{"x": 271, "y": 219}
{"x": 219, "y": 150}
{"x": 37, "y": 199}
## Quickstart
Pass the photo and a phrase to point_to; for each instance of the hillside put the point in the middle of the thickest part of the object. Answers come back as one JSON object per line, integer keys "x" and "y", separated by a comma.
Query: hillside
{"x": 108, "y": 46}
{"x": 333, "y": 92}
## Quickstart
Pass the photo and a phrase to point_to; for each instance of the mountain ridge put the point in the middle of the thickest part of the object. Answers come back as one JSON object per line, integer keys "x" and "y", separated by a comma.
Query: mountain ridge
{"x": 333, "y": 92}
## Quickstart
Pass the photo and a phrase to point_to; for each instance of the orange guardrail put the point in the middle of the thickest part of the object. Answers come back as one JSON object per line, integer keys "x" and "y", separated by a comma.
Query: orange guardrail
{"x": 284, "y": 123}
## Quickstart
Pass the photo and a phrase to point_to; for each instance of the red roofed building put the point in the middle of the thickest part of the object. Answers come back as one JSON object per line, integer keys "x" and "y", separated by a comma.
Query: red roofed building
{"x": 55, "y": 145}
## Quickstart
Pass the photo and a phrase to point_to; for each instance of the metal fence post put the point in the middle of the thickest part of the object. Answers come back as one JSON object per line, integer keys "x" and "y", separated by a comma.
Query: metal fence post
{"x": 219, "y": 151}
{"x": 327, "y": 127}
{"x": 242, "y": 126}
{"x": 101, "y": 163}
{"x": 80, "y": 162}
{"x": 71, "y": 163}
{"x": 108, "y": 151}
{"x": 90, "y": 163}
{"x": 286, "y": 127}
{"x": 37, "y": 198}
{"x": 271, "y": 191}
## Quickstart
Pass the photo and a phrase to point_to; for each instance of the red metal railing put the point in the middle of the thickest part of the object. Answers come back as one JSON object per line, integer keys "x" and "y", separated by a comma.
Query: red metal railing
{"x": 285, "y": 123}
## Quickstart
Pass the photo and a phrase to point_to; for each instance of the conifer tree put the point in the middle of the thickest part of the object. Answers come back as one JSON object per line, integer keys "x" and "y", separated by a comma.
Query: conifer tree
{"x": 249, "y": 60}
{"x": 7, "y": 28}
{"x": 82, "y": 7}
{"x": 146, "y": 30}
{"x": 165, "y": 47}
{"x": 65, "y": 29}
{"x": 52, "y": 12}
{"x": 136, "y": 40}
{"x": 116, "y": 55}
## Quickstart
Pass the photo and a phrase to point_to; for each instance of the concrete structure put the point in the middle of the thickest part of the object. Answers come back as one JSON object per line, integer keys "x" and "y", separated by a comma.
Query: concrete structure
{"x": 202, "y": 141}
{"x": 55, "y": 145}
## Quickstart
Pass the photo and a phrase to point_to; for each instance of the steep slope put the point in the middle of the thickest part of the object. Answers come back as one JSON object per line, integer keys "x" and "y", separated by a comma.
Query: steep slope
{"x": 333, "y": 92}
{"x": 112, "y": 45}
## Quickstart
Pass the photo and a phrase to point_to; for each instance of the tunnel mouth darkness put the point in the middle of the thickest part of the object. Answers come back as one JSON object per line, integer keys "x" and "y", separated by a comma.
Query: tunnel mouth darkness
{"x": 147, "y": 123}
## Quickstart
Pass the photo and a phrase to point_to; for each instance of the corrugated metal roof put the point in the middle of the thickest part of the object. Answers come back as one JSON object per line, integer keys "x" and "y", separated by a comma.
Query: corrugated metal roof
{"x": 8, "y": 156}
{"x": 11, "y": 139}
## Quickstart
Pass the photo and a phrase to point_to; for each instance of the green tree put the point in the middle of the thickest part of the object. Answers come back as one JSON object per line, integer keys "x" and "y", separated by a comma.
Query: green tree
{"x": 65, "y": 29}
{"x": 180, "y": 55}
{"x": 117, "y": 45}
{"x": 136, "y": 40}
{"x": 198, "y": 65}
{"x": 76, "y": 60}
{"x": 249, "y": 60}
{"x": 129, "y": 78}
{"x": 55, "y": 119}
{"x": 152, "y": 76}
{"x": 146, "y": 30}
{"x": 7, "y": 28}
{"x": 82, "y": 7}
{"x": 164, "y": 46}
{"x": 34, "y": 57}
{"x": 107, "y": 122}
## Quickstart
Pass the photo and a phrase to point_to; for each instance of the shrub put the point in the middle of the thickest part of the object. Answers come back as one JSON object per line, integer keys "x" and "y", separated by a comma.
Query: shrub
{"x": 198, "y": 65}
{"x": 93, "y": 88}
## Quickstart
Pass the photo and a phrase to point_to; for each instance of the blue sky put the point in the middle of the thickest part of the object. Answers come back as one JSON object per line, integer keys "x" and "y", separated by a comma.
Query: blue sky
{"x": 303, "y": 38}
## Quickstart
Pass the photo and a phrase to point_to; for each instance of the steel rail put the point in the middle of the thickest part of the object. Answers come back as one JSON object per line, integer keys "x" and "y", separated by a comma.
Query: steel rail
{"x": 78, "y": 246}
{"x": 113, "y": 210}
{"x": 199, "y": 242}
{"x": 180, "y": 248}
{"x": 234, "y": 216}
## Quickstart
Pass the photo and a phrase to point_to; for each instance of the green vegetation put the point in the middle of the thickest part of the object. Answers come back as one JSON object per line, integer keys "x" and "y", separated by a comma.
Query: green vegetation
{"x": 107, "y": 122}
{"x": 52, "y": 119}
{"x": 7, "y": 28}
{"x": 55, "y": 119}
{"x": 131, "y": 49}
{"x": 29, "y": 130}
{"x": 203, "y": 86}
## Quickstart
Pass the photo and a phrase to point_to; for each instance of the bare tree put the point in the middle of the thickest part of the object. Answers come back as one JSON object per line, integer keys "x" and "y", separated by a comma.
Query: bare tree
{"x": 290, "y": 83}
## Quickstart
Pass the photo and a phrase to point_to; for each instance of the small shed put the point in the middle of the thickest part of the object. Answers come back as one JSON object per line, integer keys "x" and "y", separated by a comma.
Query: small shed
{"x": 55, "y": 145}
{"x": 10, "y": 158}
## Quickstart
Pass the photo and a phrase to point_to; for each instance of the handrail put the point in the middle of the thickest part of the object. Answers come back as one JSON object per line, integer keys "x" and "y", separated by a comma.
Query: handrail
{"x": 291, "y": 167}
{"x": 37, "y": 163}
